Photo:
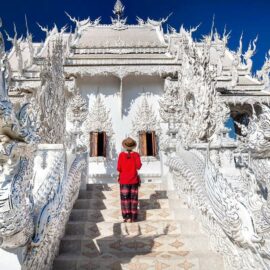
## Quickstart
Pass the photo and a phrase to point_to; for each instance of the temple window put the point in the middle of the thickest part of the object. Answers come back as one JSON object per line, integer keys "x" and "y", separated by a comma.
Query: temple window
{"x": 230, "y": 125}
{"x": 242, "y": 118}
{"x": 148, "y": 143}
{"x": 97, "y": 144}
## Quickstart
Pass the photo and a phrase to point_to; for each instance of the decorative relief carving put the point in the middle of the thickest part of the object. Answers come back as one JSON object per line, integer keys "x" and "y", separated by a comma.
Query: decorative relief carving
{"x": 98, "y": 120}
{"x": 145, "y": 119}
{"x": 118, "y": 23}
{"x": 122, "y": 71}
{"x": 77, "y": 110}
{"x": 170, "y": 107}
{"x": 51, "y": 98}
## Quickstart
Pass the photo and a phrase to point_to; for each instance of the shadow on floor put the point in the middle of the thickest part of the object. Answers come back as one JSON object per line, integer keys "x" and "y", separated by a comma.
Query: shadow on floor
{"x": 127, "y": 240}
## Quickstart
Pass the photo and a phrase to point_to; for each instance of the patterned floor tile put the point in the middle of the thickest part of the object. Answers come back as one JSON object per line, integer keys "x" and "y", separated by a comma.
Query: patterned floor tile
{"x": 186, "y": 265}
{"x": 138, "y": 266}
{"x": 97, "y": 238}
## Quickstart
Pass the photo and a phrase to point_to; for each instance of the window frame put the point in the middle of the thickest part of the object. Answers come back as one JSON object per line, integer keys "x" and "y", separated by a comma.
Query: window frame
{"x": 143, "y": 144}
{"x": 94, "y": 144}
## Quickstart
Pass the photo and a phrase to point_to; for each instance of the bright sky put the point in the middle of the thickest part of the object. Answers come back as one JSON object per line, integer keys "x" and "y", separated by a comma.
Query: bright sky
{"x": 248, "y": 16}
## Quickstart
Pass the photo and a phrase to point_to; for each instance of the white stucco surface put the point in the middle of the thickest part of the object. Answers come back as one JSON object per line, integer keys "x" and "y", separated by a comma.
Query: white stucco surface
{"x": 122, "y": 109}
{"x": 10, "y": 260}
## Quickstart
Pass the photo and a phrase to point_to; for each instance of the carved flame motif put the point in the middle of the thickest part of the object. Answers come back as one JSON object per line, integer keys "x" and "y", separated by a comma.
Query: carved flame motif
{"x": 51, "y": 98}
{"x": 98, "y": 120}
{"x": 145, "y": 119}
{"x": 77, "y": 110}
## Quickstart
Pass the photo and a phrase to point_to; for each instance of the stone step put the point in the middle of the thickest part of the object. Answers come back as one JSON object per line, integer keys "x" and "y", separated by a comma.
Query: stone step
{"x": 113, "y": 187}
{"x": 98, "y": 204}
{"x": 95, "y": 230}
{"x": 115, "y": 215}
{"x": 176, "y": 204}
{"x": 114, "y": 194}
{"x": 165, "y": 237}
{"x": 133, "y": 244}
{"x": 148, "y": 261}
{"x": 172, "y": 194}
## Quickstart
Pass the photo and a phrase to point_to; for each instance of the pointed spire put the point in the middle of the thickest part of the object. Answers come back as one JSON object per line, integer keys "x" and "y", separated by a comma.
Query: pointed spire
{"x": 118, "y": 9}
{"x": 212, "y": 27}
{"x": 2, "y": 42}
{"x": 119, "y": 22}
{"x": 240, "y": 48}
{"x": 26, "y": 25}
{"x": 3, "y": 87}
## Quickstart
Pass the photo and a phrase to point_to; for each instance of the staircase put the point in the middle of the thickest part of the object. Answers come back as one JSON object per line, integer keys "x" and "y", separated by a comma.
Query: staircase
{"x": 163, "y": 238}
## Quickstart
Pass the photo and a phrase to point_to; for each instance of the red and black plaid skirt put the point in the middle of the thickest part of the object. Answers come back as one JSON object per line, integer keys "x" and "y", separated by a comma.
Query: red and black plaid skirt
{"x": 129, "y": 201}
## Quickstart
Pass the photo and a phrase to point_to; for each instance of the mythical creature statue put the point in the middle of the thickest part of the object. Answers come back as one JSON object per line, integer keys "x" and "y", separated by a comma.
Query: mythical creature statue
{"x": 31, "y": 197}
{"x": 257, "y": 133}
{"x": 234, "y": 216}
{"x": 17, "y": 145}
{"x": 231, "y": 198}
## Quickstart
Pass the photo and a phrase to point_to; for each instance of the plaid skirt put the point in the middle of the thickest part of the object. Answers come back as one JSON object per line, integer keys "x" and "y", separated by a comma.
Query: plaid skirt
{"x": 129, "y": 201}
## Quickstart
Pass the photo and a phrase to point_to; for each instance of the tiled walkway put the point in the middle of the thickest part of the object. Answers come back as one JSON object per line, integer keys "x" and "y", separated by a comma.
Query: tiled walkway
{"x": 96, "y": 237}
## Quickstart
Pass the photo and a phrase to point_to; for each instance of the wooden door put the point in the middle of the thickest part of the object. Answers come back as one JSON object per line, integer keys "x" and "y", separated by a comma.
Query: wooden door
{"x": 154, "y": 143}
{"x": 142, "y": 143}
{"x": 104, "y": 144}
{"x": 93, "y": 144}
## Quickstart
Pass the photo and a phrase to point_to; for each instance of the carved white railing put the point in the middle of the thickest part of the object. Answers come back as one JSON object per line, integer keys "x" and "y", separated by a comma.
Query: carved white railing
{"x": 54, "y": 202}
{"x": 38, "y": 183}
{"x": 35, "y": 210}
{"x": 224, "y": 212}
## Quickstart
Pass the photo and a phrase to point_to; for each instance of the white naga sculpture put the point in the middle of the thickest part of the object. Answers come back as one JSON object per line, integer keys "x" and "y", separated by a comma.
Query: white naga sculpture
{"x": 211, "y": 171}
{"x": 30, "y": 201}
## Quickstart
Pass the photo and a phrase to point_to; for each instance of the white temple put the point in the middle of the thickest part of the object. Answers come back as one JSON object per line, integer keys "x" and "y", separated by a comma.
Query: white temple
{"x": 66, "y": 105}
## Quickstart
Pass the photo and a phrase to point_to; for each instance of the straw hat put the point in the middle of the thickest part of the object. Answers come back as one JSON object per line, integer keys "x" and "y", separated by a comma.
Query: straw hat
{"x": 129, "y": 143}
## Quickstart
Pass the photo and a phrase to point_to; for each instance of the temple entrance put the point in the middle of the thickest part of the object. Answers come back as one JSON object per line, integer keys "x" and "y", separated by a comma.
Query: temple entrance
{"x": 113, "y": 117}
{"x": 98, "y": 144}
{"x": 148, "y": 143}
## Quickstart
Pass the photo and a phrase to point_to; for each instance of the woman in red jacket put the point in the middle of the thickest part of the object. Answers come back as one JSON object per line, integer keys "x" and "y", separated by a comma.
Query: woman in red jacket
{"x": 129, "y": 163}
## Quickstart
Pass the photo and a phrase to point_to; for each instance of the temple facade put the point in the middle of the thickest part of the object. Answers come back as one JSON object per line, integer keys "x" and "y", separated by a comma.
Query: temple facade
{"x": 122, "y": 71}
{"x": 199, "y": 114}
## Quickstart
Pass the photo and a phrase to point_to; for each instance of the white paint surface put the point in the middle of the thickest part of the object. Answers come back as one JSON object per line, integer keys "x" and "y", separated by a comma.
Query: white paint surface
{"x": 133, "y": 89}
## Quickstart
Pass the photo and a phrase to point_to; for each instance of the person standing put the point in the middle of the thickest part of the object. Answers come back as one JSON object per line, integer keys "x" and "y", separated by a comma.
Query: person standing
{"x": 129, "y": 162}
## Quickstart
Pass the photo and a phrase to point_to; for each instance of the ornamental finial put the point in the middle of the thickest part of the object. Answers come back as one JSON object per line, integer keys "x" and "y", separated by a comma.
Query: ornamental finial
{"x": 118, "y": 9}
{"x": 2, "y": 43}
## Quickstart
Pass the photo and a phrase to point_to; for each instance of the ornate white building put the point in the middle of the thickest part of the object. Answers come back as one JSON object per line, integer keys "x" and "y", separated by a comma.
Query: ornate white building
{"x": 68, "y": 102}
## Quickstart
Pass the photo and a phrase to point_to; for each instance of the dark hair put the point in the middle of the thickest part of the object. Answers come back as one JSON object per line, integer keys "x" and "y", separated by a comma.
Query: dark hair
{"x": 129, "y": 153}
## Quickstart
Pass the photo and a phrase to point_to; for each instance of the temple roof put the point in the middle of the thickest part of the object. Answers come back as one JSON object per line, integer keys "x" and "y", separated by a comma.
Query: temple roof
{"x": 130, "y": 36}
{"x": 121, "y": 49}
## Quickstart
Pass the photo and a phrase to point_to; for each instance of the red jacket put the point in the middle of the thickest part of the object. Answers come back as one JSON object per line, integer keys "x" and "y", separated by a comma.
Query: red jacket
{"x": 128, "y": 166}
